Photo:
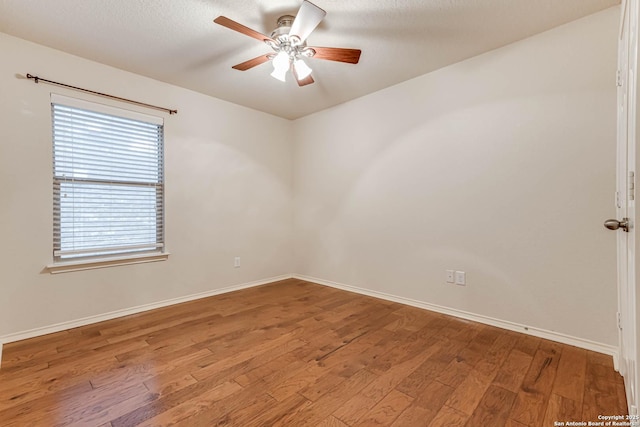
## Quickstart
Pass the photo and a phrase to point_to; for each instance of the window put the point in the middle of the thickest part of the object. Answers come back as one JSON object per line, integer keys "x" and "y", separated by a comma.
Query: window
{"x": 108, "y": 182}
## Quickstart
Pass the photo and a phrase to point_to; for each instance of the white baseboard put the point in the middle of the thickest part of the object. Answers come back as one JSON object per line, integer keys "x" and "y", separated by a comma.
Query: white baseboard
{"x": 541, "y": 333}
{"x": 127, "y": 311}
{"x": 504, "y": 324}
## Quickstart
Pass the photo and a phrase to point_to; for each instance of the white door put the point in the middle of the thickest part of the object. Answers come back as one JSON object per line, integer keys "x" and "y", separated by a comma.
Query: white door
{"x": 625, "y": 198}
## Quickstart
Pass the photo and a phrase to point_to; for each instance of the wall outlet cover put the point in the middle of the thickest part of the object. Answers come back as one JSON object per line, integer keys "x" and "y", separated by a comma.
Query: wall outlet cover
{"x": 450, "y": 274}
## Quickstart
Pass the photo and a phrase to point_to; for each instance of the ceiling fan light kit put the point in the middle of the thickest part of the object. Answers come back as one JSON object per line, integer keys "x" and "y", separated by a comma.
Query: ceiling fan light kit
{"x": 281, "y": 64}
{"x": 288, "y": 41}
{"x": 289, "y": 50}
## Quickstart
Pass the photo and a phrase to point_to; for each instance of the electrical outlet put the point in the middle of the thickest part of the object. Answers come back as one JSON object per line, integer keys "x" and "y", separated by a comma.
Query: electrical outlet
{"x": 236, "y": 262}
{"x": 449, "y": 276}
{"x": 461, "y": 278}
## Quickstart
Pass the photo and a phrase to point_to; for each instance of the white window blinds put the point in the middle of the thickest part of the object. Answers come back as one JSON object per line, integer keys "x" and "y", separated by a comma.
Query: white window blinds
{"x": 108, "y": 181}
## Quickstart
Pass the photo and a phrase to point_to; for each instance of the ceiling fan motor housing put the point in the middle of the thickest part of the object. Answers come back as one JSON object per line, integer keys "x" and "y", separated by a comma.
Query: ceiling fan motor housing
{"x": 286, "y": 42}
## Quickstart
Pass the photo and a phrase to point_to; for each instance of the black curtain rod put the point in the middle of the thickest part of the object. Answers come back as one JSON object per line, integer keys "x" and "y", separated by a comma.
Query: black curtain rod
{"x": 37, "y": 79}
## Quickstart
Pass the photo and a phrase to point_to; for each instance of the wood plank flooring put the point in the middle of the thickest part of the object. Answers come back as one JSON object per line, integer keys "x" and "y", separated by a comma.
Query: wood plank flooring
{"x": 294, "y": 353}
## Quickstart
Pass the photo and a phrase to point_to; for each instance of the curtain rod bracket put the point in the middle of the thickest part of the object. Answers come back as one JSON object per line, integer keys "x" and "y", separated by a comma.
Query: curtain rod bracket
{"x": 37, "y": 79}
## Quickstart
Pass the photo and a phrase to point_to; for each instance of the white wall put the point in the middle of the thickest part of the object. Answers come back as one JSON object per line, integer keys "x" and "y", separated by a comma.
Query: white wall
{"x": 228, "y": 191}
{"x": 502, "y": 166}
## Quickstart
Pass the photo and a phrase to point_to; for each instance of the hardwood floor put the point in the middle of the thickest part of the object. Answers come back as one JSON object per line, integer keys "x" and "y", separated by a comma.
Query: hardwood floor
{"x": 294, "y": 353}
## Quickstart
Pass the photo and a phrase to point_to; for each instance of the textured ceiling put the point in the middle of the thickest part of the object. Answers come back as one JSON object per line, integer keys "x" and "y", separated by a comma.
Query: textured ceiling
{"x": 176, "y": 41}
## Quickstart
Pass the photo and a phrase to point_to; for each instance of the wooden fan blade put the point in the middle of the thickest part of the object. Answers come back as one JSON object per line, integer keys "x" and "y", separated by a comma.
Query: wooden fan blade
{"x": 307, "y": 19}
{"x": 306, "y": 81}
{"x": 351, "y": 56}
{"x": 302, "y": 82}
{"x": 244, "y": 66}
{"x": 233, "y": 25}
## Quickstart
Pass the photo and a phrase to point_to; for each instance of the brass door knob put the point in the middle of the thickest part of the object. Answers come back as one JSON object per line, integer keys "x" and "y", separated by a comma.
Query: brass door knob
{"x": 614, "y": 224}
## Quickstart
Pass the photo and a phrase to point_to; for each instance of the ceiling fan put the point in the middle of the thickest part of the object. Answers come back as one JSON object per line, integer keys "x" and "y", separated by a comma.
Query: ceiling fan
{"x": 288, "y": 42}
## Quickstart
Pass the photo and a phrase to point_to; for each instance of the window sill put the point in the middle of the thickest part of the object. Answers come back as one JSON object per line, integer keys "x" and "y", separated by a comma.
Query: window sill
{"x": 90, "y": 264}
